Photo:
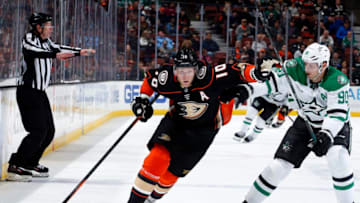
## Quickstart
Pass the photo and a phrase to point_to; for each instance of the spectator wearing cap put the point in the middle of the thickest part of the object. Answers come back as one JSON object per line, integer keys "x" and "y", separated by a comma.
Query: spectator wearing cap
{"x": 209, "y": 44}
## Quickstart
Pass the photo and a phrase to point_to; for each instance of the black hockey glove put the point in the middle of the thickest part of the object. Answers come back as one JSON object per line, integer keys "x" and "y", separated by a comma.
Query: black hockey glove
{"x": 284, "y": 110}
{"x": 142, "y": 108}
{"x": 240, "y": 93}
{"x": 324, "y": 142}
{"x": 263, "y": 71}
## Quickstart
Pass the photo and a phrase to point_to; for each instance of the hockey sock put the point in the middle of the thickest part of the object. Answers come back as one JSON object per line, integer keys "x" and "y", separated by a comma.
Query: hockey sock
{"x": 155, "y": 164}
{"x": 250, "y": 115}
{"x": 268, "y": 180}
{"x": 342, "y": 174}
{"x": 167, "y": 180}
{"x": 258, "y": 128}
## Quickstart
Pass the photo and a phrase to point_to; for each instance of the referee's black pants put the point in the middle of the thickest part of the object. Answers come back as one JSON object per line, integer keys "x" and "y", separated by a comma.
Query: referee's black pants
{"x": 38, "y": 121}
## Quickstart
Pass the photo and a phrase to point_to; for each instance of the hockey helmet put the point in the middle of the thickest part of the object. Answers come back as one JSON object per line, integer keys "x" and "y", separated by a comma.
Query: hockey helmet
{"x": 185, "y": 58}
{"x": 316, "y": 53}
{"x": 38, "y": 19}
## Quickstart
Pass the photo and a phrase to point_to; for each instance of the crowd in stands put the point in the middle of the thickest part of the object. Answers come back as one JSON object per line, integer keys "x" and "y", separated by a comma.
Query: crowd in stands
{"x": 302, "y": 25}
{"x": 302, "y": 28}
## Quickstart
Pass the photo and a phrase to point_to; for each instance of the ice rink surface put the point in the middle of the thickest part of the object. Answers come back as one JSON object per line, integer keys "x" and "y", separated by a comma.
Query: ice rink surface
{"x": 224, "y": 175}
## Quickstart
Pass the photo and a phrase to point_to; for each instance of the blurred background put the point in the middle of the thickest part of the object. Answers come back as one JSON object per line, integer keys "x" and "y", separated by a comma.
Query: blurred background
{"x": 133, "y": 36}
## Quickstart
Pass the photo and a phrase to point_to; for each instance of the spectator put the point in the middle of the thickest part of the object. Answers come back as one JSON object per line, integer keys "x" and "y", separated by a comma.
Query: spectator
{"x": 276, "y": 29}
{"x": 298, "y": 53}
{"x": 246, "y": 49}
{"x": 342, "y": 31}
{"x": 164, "y": 51}
{"x": 261, "y": 55}
{"x": 171, "y": 26}
{"x": 297, "y": 45}
{"x": 236, "y": 53}
{"x": 195, "y": 42}
{"x": 283, "y": 52}
{"x": 206, "y": 57}
{"x": 242, "y": 30}
{"x": 293, "y": 30}
{"x": 147, "y": 44}
{"x": 335, "y": 60}
{"x": 209, "y": 44}
{"x": 260, "y": 44}
{"x": 279, "y": 41}
{"x": 326, "y": 39}
{"x": 347, "y": 42}
{"x": 345, "y": 68}
{"x": 184, "y": 20}
{"x": 303, "y": 23}
{"x": 356, "y": 71}
{"x": 294, "y": 11}
{"x": 161, "y": 38}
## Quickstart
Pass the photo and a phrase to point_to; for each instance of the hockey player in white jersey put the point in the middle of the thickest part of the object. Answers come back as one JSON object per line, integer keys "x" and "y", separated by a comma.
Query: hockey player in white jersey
{"x": 322, "y": 91}
{"x": 268, "y": 106}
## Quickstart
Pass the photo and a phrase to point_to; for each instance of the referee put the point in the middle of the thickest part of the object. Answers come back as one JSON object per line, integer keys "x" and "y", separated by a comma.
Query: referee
{"x": 38, "y": 54}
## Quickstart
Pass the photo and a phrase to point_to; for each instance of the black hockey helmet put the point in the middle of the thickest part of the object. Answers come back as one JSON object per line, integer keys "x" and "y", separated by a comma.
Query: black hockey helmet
{"x": 185, "y": 58}
{"x": 39, "y": 19}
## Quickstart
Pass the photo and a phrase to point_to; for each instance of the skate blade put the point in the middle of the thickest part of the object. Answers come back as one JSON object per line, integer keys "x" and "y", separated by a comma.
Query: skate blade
{"x": 18, "y": 178}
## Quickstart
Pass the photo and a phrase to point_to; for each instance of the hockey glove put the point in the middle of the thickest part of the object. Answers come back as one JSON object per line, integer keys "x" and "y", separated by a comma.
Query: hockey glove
{"x": 240, "y": 93}
{"x": 284, "y": 110}
{"x": 263, "y": 72}
{"x": 324, "y": 142}
{"x": 142, "y": 108}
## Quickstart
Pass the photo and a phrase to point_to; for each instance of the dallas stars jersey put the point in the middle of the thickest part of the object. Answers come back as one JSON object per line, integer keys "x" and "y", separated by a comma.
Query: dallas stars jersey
{"x": 199, "y": 104}
{"x": 324, "y": 104}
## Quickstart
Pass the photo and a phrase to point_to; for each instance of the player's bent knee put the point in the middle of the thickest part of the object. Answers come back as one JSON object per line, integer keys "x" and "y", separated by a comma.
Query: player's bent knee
{"x": 338, "y": 159}
{"x": 278, "y": 170}
{"x": 157, "y": 161}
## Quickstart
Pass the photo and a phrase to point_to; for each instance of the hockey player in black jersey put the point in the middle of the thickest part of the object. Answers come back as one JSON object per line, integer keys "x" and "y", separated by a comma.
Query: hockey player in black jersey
{"x": 194, "y": 118}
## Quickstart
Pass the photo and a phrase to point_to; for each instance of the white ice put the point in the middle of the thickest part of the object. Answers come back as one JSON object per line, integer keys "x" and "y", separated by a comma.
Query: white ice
{"x": 224, "y": 175}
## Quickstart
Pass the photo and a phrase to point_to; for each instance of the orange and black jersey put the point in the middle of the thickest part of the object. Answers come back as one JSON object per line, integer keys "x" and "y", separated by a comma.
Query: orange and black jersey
{"x": 198, "y": 105}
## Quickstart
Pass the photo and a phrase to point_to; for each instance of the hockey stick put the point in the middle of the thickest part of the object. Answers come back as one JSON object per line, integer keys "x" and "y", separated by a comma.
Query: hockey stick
{"x": 105, "y": 155}
{"x": 307, "y": 123}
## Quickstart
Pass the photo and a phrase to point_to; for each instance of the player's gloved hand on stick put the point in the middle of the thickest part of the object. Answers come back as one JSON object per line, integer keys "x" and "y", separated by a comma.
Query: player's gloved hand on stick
{"x": 142, "y": 108}
{"x": 263, "y": 72}
{"x": 324, "y": 142}
{"x": 239, "y": 92}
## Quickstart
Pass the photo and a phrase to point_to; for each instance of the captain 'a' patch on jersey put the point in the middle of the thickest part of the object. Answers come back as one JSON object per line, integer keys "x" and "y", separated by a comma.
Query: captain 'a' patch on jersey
{"x": 192, "y": 110}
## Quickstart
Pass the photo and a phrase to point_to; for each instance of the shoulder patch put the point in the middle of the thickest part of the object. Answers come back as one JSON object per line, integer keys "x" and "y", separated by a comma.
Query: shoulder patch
{"x": 201, "y": 73}
{"x": 341, "y": 80}
{"x": 291, "y": 63}
{"x": 163, "y": 76}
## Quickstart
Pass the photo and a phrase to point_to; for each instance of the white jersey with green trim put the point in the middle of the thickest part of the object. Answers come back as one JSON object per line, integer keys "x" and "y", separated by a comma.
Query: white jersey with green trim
{"x": 324, "y": 104}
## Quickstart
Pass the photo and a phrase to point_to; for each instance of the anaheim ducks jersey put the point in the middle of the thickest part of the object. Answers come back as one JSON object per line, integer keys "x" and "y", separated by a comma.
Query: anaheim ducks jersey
{"x": 324, "y": 104}
{"x": 199, "y": 104}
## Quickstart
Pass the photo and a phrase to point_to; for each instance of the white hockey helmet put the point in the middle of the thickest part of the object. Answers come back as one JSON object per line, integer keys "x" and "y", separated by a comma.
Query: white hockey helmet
{"x": 316, "y": 53}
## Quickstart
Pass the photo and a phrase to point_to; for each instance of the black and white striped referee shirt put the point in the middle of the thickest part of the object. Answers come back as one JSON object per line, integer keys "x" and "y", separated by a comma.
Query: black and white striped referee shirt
{"x": 37, "y": 61}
